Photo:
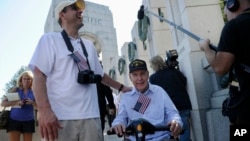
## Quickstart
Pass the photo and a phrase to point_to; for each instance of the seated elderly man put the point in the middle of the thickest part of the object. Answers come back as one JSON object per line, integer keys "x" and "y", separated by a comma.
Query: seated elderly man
{"x": 149, "y": 102}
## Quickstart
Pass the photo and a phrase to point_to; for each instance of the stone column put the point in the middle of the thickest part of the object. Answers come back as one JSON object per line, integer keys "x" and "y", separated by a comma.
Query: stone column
{"x": 204, "y": 18}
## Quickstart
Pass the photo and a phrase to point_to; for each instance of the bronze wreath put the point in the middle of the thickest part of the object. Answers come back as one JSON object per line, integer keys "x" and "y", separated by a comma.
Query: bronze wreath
{"x": 112, "y": 73}
{"x": 143, "y": 29}
{"x": 121, "y": 65}
{"x": 131, "y": 51}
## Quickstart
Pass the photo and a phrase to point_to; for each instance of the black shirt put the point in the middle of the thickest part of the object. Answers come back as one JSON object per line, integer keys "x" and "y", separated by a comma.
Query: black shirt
{"x": 104, "y": 92}
{"x": 174, "y": 83}
{"x": 235, "y": 39}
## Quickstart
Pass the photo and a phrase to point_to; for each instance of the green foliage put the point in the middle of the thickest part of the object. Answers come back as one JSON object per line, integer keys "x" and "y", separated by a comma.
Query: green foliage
{"x": 13, "y": 82}
{"x": 222, "y": 5}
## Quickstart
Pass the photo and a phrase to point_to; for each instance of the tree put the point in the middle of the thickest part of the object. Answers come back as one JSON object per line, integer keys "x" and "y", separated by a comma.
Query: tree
{"x": 13, "y": 82}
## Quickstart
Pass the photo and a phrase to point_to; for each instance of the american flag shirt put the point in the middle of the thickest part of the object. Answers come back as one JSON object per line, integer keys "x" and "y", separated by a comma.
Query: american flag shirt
{"x": 156, "y": 107}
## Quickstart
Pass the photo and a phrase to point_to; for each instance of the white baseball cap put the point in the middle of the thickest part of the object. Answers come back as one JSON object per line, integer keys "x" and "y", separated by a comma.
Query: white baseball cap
{"x": 79, "y": 3}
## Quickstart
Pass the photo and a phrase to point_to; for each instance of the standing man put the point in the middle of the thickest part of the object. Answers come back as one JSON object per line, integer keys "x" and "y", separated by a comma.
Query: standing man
{"x": 66, "y": 69}
{"x": 106, "y": 102}
{"x": 233, "y": 51}
{"x": 174, "y": 83}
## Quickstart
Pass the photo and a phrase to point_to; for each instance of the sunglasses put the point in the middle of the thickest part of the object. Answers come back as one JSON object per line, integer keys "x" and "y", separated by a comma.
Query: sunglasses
{"x": 72, "y": 7}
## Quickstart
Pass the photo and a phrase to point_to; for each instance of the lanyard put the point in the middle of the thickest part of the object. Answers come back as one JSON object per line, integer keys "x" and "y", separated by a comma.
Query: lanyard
{"x": 70, "y": 47}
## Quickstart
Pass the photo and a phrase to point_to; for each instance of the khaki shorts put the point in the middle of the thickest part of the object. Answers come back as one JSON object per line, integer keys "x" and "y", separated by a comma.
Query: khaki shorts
{"x": 80, "y": 130}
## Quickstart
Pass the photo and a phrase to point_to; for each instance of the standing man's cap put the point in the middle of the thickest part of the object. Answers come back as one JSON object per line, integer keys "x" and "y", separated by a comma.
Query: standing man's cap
{"x": 79, "y": 3}
{"x": 137, "y": 64}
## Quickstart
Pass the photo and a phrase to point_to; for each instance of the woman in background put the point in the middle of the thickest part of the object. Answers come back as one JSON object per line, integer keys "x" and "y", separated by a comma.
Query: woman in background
{"x": 22, "y": 111}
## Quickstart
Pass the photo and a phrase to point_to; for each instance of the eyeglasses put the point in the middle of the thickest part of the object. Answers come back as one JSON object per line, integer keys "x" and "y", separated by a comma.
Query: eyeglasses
{"x": 74, "y": 7}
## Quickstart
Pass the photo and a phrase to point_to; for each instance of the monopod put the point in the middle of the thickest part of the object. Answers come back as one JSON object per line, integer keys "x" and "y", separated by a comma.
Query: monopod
{"x": 192, "y": 35}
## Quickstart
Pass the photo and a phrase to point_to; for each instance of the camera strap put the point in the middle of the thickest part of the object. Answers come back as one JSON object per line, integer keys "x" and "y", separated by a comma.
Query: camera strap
{"x": 85, "y": 52}
{"x": 71, "y": 49}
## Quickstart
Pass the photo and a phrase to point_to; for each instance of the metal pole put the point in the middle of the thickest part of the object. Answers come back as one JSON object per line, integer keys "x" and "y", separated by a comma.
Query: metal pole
{"x": 197, "y": 38}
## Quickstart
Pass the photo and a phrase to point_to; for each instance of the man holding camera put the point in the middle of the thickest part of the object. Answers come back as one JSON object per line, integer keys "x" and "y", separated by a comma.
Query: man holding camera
{"x": 66, "y": 69}
{"x": 233, "y": 52}
{"x": 174, "y": 83}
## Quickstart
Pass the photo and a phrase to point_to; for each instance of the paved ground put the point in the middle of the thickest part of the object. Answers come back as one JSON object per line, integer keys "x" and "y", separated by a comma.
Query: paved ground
{"x": 110, "y": 137}
{"x": 36, "y": 137}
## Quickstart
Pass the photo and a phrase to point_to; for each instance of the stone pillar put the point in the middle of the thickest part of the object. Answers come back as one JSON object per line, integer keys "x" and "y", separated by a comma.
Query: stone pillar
{"x": 203, "y": 18}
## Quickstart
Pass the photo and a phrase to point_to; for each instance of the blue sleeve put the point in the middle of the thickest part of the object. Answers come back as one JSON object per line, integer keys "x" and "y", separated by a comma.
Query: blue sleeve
{"x": 122, "y": 116}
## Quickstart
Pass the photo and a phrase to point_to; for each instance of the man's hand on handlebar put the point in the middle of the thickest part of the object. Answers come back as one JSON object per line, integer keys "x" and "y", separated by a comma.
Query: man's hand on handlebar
{"x": 119, "y": 129}
{"x": 175, "y": 128}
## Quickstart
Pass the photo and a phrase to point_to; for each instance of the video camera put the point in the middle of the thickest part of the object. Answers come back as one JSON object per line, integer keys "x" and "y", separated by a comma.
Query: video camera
{"x": 171, "y": 59}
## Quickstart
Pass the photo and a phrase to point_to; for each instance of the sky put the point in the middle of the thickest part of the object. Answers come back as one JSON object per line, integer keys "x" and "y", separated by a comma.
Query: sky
{"x": 22, "y": 24}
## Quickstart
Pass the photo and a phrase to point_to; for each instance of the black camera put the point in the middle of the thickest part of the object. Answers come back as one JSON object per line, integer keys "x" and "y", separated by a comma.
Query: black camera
{"x": 88, "y": 76}
{"x": 171, "y": 59}
{"x": 25, "y": 101}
